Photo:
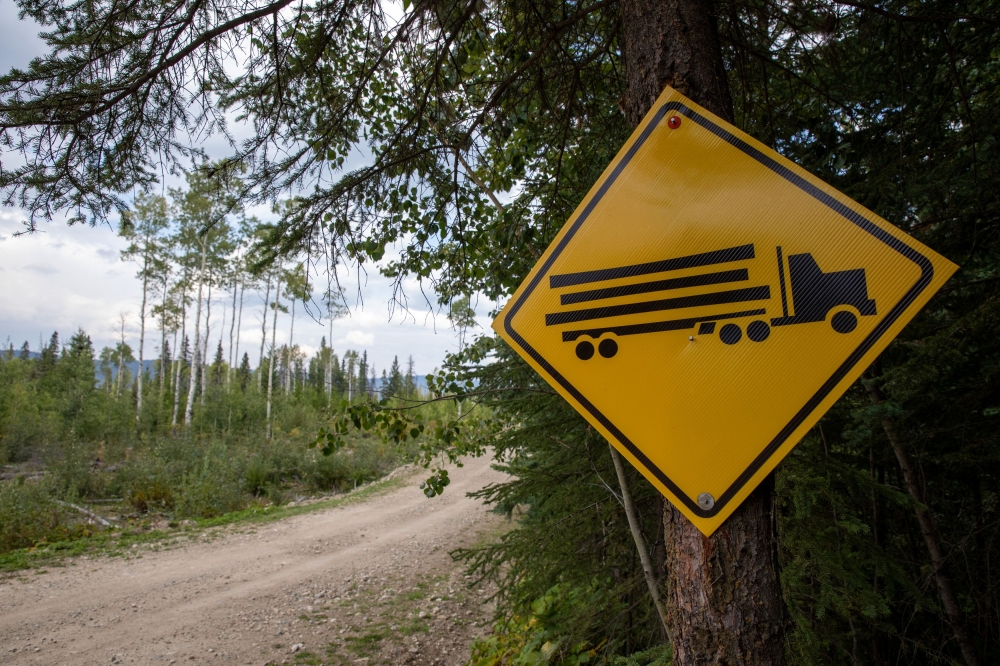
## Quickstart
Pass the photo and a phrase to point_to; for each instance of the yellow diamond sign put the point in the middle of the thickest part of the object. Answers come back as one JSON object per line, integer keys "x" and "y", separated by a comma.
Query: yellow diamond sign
{"x": 708, "y": 301}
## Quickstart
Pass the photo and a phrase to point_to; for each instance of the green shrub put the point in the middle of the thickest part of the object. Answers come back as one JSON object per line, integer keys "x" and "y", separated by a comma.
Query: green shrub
{"x": 30, "y": 514}
{"x": 542, "y": 636}
{"x": 661, "y": 655}
{"x": 73, "y": 470}
{"x": 333, "y": 472}
{"x": 148, "y": 481}
{"x": 213, "y": 489}
{"x": 258, "y": 477}
{"x": 155, "y": 496}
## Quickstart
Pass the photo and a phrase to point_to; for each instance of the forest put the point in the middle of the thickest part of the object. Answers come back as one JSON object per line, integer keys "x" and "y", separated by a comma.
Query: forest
{"x": 196, "y": 433}
{"x": 483, "y": 125}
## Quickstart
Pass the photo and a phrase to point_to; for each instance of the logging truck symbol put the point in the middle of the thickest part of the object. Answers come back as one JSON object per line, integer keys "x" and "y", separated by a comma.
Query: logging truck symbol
{"x": 815, "y": 296}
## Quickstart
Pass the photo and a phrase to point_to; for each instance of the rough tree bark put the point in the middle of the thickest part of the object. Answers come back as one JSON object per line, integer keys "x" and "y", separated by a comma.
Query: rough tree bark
{"x": 724, "y": 603}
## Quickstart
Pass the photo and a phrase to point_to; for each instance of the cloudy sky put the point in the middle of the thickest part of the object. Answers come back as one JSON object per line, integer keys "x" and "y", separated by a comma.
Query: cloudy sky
{"x": 65, "y": 278}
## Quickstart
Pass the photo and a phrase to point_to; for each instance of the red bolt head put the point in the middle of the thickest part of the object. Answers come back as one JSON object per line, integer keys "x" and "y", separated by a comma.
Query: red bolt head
{"x": 674, "y": 122}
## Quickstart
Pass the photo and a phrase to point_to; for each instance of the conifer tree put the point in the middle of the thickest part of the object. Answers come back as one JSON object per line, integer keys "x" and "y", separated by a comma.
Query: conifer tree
{"x": 218, "y": 365}
{"x": 394, "y": 385}
{"x": 410, "y": 383}
{"x": 244, "y": 371}
{"x": 49, "y": 356}
{"x": 362, "y": 382}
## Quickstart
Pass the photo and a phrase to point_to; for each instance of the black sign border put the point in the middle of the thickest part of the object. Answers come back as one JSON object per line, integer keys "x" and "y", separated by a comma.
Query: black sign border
{"x": 925, "y": 265}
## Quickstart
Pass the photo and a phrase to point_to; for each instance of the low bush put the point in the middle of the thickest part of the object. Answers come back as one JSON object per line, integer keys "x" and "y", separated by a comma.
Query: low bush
{"x": 182, "y": 477}
{"x": 544, "y": 635}
{"x": 30, "y": 514}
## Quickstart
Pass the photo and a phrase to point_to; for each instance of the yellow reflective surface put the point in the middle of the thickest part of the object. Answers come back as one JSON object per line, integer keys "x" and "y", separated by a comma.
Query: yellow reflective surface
{"x": 708, "y": 301}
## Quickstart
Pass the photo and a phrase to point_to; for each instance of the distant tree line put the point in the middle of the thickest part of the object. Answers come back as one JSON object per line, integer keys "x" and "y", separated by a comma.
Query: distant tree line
{"x": 193, "y": 257}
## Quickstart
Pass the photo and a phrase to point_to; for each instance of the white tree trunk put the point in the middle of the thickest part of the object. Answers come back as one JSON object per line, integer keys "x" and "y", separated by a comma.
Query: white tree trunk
{"x": 232, "y": 329}
{"x": 329, "y": 369}
{"x": 263, "y": 335}
{"x": 239, "y": 322}
{"x": 179, "y": 354}
{"x": 163, "y": 343}
{"x": 288, "y": 363}
{"x": 204, "y": 351}
{"x": 196, "y": 360}
{"x": 270, "y": 364}
{"x": 142, "y": 333}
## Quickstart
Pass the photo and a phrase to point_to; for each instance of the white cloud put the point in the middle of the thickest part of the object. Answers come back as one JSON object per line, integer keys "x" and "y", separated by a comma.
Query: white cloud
{"x": 360, "y": 338}
{"x": 64, "y": 277}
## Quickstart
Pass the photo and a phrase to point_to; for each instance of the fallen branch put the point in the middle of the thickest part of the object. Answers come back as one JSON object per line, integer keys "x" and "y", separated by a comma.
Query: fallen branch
{"x": 103, "y": 522}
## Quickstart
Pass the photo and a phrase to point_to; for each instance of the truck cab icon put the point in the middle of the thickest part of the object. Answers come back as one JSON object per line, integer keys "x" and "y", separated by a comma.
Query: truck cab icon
{"x": 814, "y": 295}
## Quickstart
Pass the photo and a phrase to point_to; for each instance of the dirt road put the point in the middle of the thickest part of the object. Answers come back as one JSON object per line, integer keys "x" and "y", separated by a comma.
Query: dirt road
{"x": 366, "y": 583}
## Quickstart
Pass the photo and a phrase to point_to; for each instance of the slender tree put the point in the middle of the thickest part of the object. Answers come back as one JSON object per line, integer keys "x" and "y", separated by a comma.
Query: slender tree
{"x": 201, "y": 211}
{"x": 143, "y": 227}
{"x": 122, "y": 352}
{"x": 208, "y": 333}
{"x": 270, "y": 363}
{"x": 182, "y": 292}
{"x": 410, "y": 381}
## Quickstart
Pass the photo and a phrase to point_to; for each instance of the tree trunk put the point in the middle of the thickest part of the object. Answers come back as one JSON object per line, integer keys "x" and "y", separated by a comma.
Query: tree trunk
{"x": 239, "y": 322}
{"x": 724, "y": 602}
{"x": 118, "y": 377}
{"x": 142, "y": 332}
{"x": 163, "y": 343}
{"x": 928, "y": 528}
{"x": 195, "y": 358}
{"x": 121, "y": 356}
{"x": 288, "y": 355}
{"x": 263, "y": 335}
{"x": 179, "y": 353}
{"x": 204, "y": 350}
{"x": 329, "y": 369}
{"x": 270, "y": 363}
{"x": 232, "y": 329}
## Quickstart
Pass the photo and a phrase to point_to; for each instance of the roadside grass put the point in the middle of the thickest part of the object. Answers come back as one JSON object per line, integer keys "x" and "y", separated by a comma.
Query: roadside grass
{"x": 128, "y": 540}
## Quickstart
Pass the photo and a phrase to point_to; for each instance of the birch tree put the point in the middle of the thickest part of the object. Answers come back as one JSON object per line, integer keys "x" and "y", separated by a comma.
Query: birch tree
{"x": 203, "y": 235}
{"x": 144, "y": 227}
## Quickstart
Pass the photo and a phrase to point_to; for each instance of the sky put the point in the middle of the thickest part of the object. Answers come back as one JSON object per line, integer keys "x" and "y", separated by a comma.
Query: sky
{"x": 66, "y": 278}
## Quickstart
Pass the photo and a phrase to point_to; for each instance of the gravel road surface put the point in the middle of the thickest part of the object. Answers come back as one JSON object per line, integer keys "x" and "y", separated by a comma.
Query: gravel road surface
{"x": 366, "y": 583}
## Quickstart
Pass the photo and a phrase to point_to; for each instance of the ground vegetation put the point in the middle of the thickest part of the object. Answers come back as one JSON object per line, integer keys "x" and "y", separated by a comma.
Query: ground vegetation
{"x": 485, "y": 124}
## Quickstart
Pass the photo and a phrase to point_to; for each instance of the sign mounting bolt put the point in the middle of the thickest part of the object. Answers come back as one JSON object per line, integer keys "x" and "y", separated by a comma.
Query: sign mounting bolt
{"x": 674, "y": 122}
{"x": 706, "y": 501}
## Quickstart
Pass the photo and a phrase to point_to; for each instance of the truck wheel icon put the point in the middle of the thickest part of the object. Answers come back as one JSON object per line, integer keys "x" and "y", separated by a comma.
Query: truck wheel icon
{"x": 844, "y": 321}
{"x": 584, "y": 350}
{"x": 608, "y": 348}
{"x": 730, "y": 334}
{"x": 758, "y": 331}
